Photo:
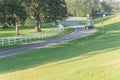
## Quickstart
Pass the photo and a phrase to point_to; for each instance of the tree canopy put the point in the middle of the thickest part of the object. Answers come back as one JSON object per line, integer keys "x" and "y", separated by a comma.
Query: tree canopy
{"x": 12, "y": 11}
{"x": 42, "y": 11}
{"x": 84, "y": 7}
{"x": 46, "y": 11}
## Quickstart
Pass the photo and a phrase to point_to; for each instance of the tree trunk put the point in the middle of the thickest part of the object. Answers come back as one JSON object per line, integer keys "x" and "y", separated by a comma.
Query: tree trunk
{"x": 17, "y": 28}
{"x": 37, "y": 26}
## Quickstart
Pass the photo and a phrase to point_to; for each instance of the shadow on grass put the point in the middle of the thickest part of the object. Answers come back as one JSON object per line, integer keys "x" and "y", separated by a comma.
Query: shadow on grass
{"x": 97, "y": 43}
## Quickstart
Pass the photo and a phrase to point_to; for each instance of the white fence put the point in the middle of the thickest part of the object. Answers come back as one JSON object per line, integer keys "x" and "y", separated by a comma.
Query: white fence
{"x": 29, "y": 37}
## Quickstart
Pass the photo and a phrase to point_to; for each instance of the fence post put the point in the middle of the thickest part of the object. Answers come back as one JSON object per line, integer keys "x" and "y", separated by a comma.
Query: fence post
{"x": 20, "y": 39}
{"x": 34, "y": 36}
{"x": 59, "y": 30}
{"x": 45, "y": 34}
{"x": 30, "y": 37}
{"x": 42, "y": 34}
{"x": 52, "y": 32}
{"x": 56, "y": 31}
{"x": 26, "y": 38}
{"x": 39, "y": 35}
{"x": 9, "y": 40}
{"x": 15, "y": 39}
{"x": 49, "y": 33}
{"x": 2, "y": 41}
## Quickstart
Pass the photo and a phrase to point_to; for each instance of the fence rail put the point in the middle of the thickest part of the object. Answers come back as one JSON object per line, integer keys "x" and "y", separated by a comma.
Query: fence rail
{"x": 29, "y": 37}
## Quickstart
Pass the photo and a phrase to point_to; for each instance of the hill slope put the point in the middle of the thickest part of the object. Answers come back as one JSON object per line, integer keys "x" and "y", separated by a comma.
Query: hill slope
{"x": 84, "y": 59}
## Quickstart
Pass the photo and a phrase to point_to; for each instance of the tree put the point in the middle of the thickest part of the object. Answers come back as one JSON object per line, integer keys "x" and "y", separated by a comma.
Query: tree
{"x": 12, "y": 13}
{"x": 46, "y": 11}
{"x": 55, "y": 10}
{"x": 35, "y": 8}
{"x": 71, "y": 7}
{"x": 84, "y": 7}
{"x": 3, "y": 13}
{"x": 114, "y": 4}
{"x": 105, "y": 8}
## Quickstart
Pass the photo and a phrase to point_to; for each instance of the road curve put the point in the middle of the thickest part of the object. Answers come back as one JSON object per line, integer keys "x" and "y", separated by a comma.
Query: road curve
{"x": 78, "y": 33}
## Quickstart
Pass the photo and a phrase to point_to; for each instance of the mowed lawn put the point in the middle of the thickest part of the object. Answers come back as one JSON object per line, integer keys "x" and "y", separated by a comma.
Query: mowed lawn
{"x": 96, "y": 57}
{"x": 28, "y": 28}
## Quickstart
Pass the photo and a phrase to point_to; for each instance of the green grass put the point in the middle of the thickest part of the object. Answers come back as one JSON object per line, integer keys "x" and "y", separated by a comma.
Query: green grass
{"x": 97, "y": 58}
{"x": 95, "y": 21}
{"x": 27, "y": 29}
{"x": 66, "y": 31}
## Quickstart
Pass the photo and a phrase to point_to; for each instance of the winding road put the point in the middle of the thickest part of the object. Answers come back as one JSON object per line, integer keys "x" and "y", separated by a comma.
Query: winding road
{"x": 78, "y": 33}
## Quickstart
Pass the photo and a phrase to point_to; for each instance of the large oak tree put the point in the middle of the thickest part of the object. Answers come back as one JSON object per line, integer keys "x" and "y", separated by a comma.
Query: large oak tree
{"x": 12, "y": 12}
{"x": 46, "y": 11}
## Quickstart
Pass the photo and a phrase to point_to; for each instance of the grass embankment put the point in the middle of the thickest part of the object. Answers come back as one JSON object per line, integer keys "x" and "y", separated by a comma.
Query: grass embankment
{"x": 96, "y": 21}
{"x": 92, "y": 59}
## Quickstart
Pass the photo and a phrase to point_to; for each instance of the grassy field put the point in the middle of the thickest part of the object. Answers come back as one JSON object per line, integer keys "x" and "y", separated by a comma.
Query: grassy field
{"x": 27, "y": 29}
{"x": 97, "y": 58}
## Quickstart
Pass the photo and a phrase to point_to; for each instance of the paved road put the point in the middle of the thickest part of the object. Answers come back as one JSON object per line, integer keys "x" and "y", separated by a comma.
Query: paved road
{"x": 78, "y": 33}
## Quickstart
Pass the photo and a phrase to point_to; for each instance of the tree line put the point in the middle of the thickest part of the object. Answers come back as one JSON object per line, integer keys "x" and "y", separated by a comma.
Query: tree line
{"x": 84, "y": 7}
{"x": 114, "y": 4}
{"x": 14, "y": 12}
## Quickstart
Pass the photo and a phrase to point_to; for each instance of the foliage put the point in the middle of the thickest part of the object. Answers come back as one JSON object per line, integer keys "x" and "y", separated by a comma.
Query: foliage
{"x": 84, "y": 7}
{"x": 115, "y": 5}
{"x": 55, "y": 10}
{"x": 46, "y": 11}
{"x": 42, "y": 11}
{"x": 12, "y": 11}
